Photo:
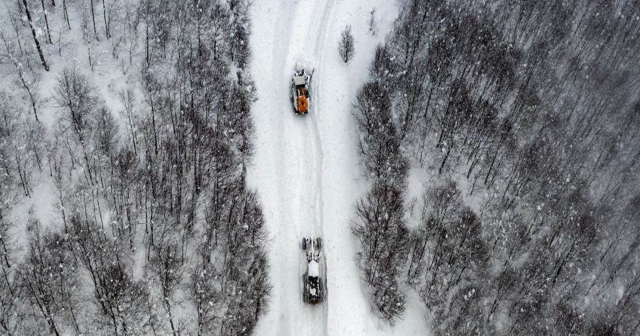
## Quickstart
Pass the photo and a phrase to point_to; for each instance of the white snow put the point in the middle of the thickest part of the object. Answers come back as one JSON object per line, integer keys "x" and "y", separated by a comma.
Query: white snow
{"x": 306, "y": 168}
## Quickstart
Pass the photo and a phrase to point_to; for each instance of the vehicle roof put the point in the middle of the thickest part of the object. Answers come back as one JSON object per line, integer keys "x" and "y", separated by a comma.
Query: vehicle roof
{"x": 314, "y": 268}
{"x": 299, "y": 80}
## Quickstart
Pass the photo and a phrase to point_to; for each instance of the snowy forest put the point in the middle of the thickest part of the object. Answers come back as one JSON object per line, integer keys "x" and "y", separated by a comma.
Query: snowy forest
{"x": 498, "y": 142}
{"x": 132, "y": 119}
{"x": 525, "y": 118}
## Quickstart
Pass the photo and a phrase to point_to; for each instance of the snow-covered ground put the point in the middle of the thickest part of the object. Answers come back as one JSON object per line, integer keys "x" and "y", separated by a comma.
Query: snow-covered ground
{"x": 306, "y": 168}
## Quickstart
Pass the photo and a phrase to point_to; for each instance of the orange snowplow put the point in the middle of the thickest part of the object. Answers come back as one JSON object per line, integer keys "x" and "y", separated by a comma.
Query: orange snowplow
{"x": 302, "y": 105}
{"x": 300, "y": 92}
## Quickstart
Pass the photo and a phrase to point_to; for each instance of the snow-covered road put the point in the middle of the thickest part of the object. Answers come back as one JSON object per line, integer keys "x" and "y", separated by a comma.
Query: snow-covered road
{"x": 306, "y": 167}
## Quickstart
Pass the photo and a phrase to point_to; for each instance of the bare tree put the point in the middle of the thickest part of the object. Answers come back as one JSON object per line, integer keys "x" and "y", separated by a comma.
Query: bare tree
{"x": 11, "y": 316}
{"x": 65, "y": 13}
{"x": 383, "y": 239}
{"x": 346, "y": 46}
{"x": 93, "y": 19}
{"x": 46, "y": 21}
{"x": 231, "y": 257}
{"x": 76, "y": 96}
{"x": 121, "y": 301}
{"x": 28, "y": 81}
{"x": 49, "y": 278}
{"x": 127, "y": 99}
{"x": 167, "y": 264}
{"x": 35, "y": 36}
{"x": 373, "y": 22}
{"x": 107, "y": 20}
{"x": 13, "y": 132}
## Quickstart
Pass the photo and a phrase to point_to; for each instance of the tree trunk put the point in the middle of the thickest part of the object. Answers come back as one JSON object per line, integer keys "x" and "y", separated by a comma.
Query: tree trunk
{"x": 46, "y": 22}
{"x": 444, "y": 160}
{"x": 93, "y": 19}
{"x": 65, "y": 13}
{"x": 106, "y": 22}
{"x": 35, "y": 37}
{"x": 146, "y": 36}
{"x": 31, "y": 96}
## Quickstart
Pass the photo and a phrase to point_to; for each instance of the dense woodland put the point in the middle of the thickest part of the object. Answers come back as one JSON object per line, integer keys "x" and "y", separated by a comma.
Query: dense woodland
{"x": 525, "y": 116}
{"x": 153, "y": 230}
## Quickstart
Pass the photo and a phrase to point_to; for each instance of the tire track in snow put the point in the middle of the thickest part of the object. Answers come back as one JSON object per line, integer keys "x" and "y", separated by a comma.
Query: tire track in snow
{"x": 319, "y": 324}
{"x": 283, "y": 222}
{"x": 319, "y": 48}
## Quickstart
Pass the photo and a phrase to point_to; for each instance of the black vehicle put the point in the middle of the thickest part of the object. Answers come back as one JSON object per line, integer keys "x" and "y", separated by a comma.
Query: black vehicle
{"x": 313, "y": 291}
